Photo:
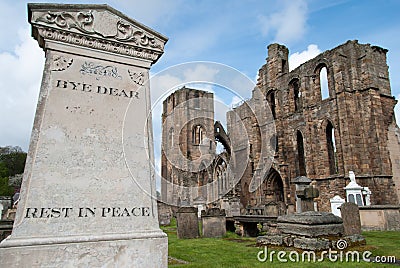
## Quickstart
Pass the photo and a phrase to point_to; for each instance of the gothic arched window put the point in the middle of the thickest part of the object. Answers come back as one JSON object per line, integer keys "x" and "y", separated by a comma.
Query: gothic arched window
{"x": 331, "y": 147}
{"x": 295, "y": 87}
{"x": 197, "y": 134}
{"x": 323, "y": 82}
{"x": 300, "y": 153}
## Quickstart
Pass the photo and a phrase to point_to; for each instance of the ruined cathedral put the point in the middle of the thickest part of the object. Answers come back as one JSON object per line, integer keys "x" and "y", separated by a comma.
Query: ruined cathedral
{"x": 321, "y": 132}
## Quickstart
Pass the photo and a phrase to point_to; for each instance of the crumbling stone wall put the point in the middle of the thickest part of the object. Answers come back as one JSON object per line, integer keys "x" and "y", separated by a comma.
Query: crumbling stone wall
{"x": 351, "y": 129}
{"x": 359, "y": 109}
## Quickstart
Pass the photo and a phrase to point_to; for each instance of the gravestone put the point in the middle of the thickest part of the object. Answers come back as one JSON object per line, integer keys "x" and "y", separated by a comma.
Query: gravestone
{"x": 351, "y": 218}
{"x": 213, "y": 222}
{"x": 187, "y": 222}
{"x": 164, "y": 213}
{"x": 86, "y": 196}
{"x": 271, "y": 209}
{"x": 301, "y": 183}
{"x": 307, "y": 196}
{"x": 336, "y": 202}
{"x": 354, "y": 191}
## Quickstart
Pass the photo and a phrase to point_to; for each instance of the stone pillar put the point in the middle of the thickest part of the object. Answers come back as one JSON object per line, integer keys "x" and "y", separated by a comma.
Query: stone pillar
{"x": 187, "y": 222}
{"x": 87, "y": 196}
{"x": 213, "y": 222}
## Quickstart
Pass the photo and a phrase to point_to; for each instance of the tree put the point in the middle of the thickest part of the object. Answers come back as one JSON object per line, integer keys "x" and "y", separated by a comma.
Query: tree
{"x": 12, "y": 162}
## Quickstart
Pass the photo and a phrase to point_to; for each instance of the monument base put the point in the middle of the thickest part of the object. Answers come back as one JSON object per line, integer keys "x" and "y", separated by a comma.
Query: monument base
{"x": 128, "y": 251}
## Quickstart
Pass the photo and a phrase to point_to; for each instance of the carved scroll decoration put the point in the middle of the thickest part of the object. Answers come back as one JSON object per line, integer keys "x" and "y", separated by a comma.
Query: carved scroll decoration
{"x": 99, "y": 71}
{"x": 83, "y": 22}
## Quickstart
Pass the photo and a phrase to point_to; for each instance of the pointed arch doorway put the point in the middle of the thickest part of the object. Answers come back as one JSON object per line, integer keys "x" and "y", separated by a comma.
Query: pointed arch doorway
{"x": 274, "y": 187}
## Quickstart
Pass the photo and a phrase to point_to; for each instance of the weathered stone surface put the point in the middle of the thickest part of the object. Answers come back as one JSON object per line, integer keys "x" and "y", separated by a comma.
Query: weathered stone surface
{"x": 311, "y": 230}
{"x": 351, "y": 218}
{"x": 276, "y": 240}
{"x": 213, "y": 212}
{"x": 311, "y": 243}
{"x": 164, "y": 214}
{"x": 311, "y": 218}
{"x": 86, "y": 196}
{"x": 213, "y": 223}
{"x": 288, "y": 241}
{"x": 358, "y": 93}
{"x": 355, "y": 240}
{"x": 187, "y": 222}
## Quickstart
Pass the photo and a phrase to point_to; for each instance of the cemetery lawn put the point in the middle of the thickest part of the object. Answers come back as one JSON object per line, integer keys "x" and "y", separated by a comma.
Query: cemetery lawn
{"x": 235, "y": 251}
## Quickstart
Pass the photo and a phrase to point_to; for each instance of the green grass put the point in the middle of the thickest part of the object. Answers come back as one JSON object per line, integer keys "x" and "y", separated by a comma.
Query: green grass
{"x": 235, "y": 251}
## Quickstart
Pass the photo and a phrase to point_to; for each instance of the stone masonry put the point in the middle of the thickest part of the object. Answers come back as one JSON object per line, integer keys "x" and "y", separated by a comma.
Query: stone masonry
{"x": 325, "y": 126}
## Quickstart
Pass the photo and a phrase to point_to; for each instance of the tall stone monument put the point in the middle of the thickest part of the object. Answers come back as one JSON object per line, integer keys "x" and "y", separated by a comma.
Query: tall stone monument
{"x": 87, "y": 193}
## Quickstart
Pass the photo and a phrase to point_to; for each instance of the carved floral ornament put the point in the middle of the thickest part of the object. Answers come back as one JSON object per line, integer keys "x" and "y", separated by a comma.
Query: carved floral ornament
{"x": 122, "y": 37}
{"x": 61, "y": 63}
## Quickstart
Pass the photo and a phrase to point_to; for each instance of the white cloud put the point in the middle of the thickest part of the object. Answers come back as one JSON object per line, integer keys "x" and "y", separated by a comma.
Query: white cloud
{"x": 20, "y": 76}
{"x": 235, "y": 101}
{"x": 201, "y": 72}
{"x": 298, "y": 58}
{"x": 288, "y": 24}
{"x": 11, "y": 19}
{"x": 162, "y": 84}
{"x": 150, "y": 11}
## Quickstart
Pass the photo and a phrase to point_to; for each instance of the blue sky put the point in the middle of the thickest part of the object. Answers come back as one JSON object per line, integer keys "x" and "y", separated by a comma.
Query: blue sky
{"x": 234, "y": 33}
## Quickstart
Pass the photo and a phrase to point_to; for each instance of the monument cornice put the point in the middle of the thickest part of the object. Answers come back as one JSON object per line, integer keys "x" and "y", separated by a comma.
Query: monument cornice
{"x": 97, "y": 27}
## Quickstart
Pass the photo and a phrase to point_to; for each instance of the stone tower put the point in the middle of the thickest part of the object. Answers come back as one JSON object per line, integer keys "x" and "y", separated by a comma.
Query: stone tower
{"x": 188, "y": 143}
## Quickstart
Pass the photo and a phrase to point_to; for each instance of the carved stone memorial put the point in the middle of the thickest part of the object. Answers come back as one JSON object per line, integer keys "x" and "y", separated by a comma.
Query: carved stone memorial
{"x": 213, "y": 222}
{"x": 187, "y": 222}
{"x": 87, "y": 192}
{"x": 351, "y": 218}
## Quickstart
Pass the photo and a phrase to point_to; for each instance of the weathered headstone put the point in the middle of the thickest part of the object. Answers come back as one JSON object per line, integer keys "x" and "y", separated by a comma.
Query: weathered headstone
{"x": 187, "y": 222}
{"x": 164, "y": 214}
{"x": 86, "y": 196}
{"x": 351, "y": 218}
{"x": 213, "y": 222}
{"x": 271, "y": 209}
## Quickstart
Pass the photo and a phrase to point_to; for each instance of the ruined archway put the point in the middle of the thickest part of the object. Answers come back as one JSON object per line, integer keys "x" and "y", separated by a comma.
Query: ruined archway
{"x": 274, "y": 187}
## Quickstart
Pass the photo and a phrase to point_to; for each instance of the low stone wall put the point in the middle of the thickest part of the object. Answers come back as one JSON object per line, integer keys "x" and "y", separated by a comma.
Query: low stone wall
{"x": 380, "y": 218}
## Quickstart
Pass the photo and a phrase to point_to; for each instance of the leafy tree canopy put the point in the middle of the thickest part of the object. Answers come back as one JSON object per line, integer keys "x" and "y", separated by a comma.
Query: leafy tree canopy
{"x": 12, "y": 162}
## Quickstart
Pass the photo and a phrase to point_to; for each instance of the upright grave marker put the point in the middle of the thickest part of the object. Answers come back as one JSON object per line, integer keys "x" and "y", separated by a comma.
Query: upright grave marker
{"x": 87, "y": 192}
